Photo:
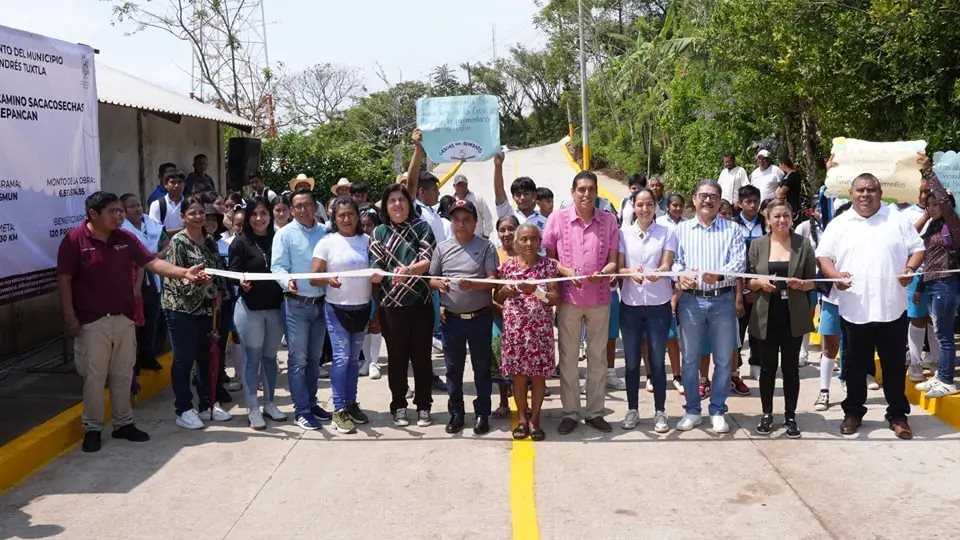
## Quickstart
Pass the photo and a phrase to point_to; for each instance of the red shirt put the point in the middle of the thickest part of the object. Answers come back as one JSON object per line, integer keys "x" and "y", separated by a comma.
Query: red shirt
{"x": 101, "y": 271}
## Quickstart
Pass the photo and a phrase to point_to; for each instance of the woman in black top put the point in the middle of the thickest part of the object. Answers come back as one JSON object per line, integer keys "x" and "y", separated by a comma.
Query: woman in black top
{"x": 257, "y": 313}
{"x": 781, "y": 312}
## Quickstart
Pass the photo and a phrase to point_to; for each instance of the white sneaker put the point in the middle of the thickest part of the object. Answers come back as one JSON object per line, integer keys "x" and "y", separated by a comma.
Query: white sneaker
{"x": 219, "y": 415}
{"x": 437, "y": 345}
{"x": 190, "y": 420}
{"x": 802, "y": 361}
{"x": 375, "y": 370}
{"x": 400, "y": 418}
{"x": 916, "y": 373}
{"x": 941, "y": 389}
{"x": 256, "y": 420}
{"x": 365, "y": 368}
{"x": 719, "y": 424}
{"x": 648, "y": 386}
{"x": 927, "y": 384}
{"x": 424, "y": 419}
{"x": 631, "y": 420}
{"x": 661, "y": 424}
{"x": 274, "y": 413}
{"x": 755, "y": 373}
{"x": 872, "y": 383}
{"x": 678, "y": 386}
{"x": 823, "y": 401}
{"x": 615, "y": 383}
{"x": 689, "y": 421}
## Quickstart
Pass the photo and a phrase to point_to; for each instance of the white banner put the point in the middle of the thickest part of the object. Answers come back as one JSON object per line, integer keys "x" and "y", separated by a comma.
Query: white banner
{"x": 49, "y": 154}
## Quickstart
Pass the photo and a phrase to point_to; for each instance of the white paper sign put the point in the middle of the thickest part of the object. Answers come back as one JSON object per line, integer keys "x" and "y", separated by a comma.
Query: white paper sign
{"x": 893, "y": 163}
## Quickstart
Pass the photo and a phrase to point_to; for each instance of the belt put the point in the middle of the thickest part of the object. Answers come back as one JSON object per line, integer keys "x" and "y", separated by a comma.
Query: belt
{"x": 709, "y": 294}
{"x": 469, "y": 315}
{"x": 309, "y": 300}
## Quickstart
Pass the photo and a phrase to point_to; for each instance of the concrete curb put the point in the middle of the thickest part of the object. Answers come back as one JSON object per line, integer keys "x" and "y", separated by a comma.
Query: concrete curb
{"x": 946, "y": 409}
{"x": 31, "y": 451}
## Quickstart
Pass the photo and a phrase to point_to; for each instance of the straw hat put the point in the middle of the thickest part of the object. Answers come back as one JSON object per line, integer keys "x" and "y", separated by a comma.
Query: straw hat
{"x": 301, "y": 179}
{"x": 342, "y": 183}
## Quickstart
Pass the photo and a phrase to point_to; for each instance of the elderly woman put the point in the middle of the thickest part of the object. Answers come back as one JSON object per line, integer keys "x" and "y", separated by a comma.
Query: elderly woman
{"x": 188, "y": 309}
{"x": 347, "y": 309}
{"x": 403, "y": 245}
{"x": 781, "y": 315}
{"x": 527, "y": 351}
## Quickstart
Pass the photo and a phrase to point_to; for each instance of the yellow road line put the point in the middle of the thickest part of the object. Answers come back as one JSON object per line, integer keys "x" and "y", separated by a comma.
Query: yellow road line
{"x": 576, "y": 167}
{"x": 523, "y": 502}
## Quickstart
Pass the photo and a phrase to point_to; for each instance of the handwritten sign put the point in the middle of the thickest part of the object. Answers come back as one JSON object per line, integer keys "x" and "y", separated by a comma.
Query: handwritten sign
{"x": 947, "y": 167}
{"x": 893, "y": 163}
{"x": 459, "y": 128}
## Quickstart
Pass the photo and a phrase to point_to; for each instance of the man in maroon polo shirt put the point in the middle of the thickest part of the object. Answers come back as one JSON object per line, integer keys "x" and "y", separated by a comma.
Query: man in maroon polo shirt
{"x": 94, "y": 279}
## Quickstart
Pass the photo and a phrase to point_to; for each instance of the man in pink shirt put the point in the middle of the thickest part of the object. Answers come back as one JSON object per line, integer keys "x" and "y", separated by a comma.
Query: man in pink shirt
{"x": 585, "y": 241}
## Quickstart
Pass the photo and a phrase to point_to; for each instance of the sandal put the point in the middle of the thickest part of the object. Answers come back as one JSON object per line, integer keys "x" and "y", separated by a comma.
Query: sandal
{"x": 521, "y": 432}
{"x": 538, "y": 435}
{"x": 501, "y": 412}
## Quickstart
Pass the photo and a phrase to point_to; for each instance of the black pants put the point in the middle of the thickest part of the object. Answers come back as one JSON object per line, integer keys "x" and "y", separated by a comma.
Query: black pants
{"x": 147, "y": 334}
{"x": 408, "y": 332}
{"x": 780, "y": 347}
{"x": 888, "y": 340}
{"x": 744, "y": 322}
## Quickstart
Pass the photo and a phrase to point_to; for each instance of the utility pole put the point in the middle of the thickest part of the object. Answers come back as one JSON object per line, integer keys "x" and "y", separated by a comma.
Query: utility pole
{"x": 493, "y": 36}
{"x": 584, "y": 121}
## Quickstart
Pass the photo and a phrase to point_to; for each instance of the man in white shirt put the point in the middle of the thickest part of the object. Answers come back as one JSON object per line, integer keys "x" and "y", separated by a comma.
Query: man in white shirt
{"x": 732, "y": 178}
{"x": 461, "y": 190}
{"x": 871, "y": 249}
{"x": 166, "y": 210}
{"x": 524, "y": 192}
{"x": 766, "y": 176}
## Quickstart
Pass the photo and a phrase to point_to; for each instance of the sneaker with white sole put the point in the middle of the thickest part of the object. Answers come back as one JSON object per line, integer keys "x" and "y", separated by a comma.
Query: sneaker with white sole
{"x": 872, "y": 383}
{"x": 307, "y": 421}
{"x": 437, "y": 345}
{"x": 342, "y": 422}
{"x": 804, "y": 359}
{"x": 678, "y": 386}
{"x": 661, "y": 424}
{"x": 719, "y": 423}
{"x": 689, "y": 421}
{"x": 190, "y": 420}
{"x": 941, "y": 389}
{"x": 927, "y": 384}
{"x": 648, "y": 386}
{"x": 256, "y": 420}
{"x": 423, "y": 418}
{"x": 364, "y": 368}
{"x": 823, "y": 401}
{"x": 375, "y": 371}
{"x": 274, "y": 413}
{"x": 631, "y": 420}
{"x": 400, "y": 418}
{"x": 916, "y": 373}
{"x": 219, "y": 415}
{"x": 755, "y": 373}
{"x": 615, "y": 383}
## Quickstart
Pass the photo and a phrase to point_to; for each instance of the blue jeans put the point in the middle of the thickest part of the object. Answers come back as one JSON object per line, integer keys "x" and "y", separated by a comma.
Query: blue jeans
{"x": 707, "y": 322}
{"x": 260, "y": 332}
{"x": 190, "y": 344}
{"x": 305, "y": 333}
{"x": 943, "y": 311}
{"x": 345, "y": 369}
{"x": 457, "y": 334}
{"x": 650, "y": 324}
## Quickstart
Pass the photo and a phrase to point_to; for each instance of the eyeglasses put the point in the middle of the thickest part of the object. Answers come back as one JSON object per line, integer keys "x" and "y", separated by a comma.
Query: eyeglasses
{"x": 708, "y": 196}
{"x": 302, "y": 206}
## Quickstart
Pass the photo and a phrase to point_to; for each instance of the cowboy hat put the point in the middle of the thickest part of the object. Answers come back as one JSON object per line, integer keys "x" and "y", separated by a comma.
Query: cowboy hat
{"x": 301, "y": 179}
{"x": 343, "y": 182}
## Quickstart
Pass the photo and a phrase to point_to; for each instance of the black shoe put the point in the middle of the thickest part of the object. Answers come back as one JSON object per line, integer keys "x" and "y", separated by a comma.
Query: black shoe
{"x": 321, "y": 414}
{"x": 598, "y": 423}
{"x": 567, "y": 425}
{"x": 793, "y": 430}
{"x": 481, "y": 426}
{"x": 152, "y": 365}
{"x": 438, "y": 384}
{"x": 91, "y": 441}
{"x": 455, "y": 425}
{"x": 766, "y": 425}
{"x": 130, "y": 433}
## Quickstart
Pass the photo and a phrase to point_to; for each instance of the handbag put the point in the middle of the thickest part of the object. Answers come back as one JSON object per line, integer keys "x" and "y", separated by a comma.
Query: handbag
{"x": 353, "y": 320}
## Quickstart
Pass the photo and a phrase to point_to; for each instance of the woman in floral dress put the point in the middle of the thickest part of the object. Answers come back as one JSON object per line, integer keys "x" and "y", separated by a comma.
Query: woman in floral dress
{"x": 527, "y": 350}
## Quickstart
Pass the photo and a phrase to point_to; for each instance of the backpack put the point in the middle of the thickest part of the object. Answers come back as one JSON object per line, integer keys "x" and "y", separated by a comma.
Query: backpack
{"x": 163, "y": 210}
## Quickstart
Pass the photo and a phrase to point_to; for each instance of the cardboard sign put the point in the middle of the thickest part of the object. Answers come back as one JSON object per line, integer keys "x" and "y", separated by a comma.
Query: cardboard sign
{"x": 893, "y": 163}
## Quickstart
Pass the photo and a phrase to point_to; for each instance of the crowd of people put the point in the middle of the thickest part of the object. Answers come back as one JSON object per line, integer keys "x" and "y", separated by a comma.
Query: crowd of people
{"x": 673, "y": 287}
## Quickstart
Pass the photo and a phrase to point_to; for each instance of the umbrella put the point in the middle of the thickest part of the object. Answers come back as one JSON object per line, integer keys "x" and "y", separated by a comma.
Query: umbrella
{"x": 213, "y": 359}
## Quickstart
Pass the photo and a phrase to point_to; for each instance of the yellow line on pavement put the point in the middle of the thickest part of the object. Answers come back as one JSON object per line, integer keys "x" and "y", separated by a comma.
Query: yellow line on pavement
{"x": 576, "y": 167}
{"x": 523, "y": 502}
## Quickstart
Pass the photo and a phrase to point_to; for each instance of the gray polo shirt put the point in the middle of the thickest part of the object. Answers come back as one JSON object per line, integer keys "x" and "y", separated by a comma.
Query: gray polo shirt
{"x": 475, "y": 259}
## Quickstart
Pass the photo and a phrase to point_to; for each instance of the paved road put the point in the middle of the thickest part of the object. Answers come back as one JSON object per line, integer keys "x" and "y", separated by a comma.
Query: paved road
{"x": 385, "y": 482}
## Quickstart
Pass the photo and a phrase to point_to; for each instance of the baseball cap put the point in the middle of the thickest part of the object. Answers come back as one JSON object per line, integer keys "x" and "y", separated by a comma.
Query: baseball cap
{"x": 458, "y": 179}
{"x": 464, "y": 205}
{"x": 764, "y": 153}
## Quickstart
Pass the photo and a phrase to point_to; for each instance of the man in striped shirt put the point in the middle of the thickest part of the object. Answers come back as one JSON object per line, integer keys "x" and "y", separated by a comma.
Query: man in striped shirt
{"x": 706, "y": 310}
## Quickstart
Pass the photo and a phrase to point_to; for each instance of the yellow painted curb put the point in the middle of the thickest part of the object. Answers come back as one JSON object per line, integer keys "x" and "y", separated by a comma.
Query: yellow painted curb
{"x": 31, "y": 451}
{"x": 449, "y": 174}
{"x": 946, "y": 409}
{"x": 523, "y": 502}
{"x": 576, "y": 167}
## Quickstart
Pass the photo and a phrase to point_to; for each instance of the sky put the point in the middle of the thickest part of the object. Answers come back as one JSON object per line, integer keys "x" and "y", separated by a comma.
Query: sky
{"x": 408, "y": 39}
